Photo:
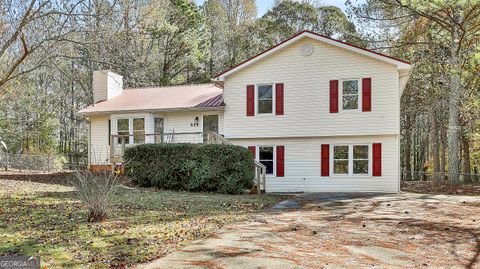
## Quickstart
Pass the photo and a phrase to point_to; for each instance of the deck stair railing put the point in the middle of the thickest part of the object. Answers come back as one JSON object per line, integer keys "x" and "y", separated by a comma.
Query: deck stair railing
{"x": 118, "y": 143}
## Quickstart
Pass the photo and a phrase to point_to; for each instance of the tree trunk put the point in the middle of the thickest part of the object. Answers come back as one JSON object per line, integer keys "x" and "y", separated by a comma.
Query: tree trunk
{"x": 407, "y": 150}
{"x": 467, "y": 170}
{"x": 422, "y": 168}
{"x": 453, "y": 109}
{"x": 475, "y": 173}
{"x": 435, "y": 148}
{"x": 415, "y": 153}
{"x": 443, "y": 153}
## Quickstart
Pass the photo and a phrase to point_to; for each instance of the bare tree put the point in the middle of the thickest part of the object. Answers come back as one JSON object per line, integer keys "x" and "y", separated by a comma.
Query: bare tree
{"x": 458, "y": 24}
{"x": 28, "y": 28}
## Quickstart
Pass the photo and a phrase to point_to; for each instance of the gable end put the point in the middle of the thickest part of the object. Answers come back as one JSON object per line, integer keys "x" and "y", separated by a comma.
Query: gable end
{"x": 400, "y": 64}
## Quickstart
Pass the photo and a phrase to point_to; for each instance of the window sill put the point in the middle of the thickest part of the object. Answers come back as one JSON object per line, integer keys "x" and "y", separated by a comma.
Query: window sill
{"x": 350, "y": 175}
{"x": 350, "y": 110}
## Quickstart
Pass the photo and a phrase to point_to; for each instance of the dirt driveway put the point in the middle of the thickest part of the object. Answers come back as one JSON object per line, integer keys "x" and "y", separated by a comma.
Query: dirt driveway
{"x": 345, "y": 231}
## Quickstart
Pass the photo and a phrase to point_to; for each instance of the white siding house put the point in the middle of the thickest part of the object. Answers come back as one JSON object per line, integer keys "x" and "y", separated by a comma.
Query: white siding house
{"x": 320, "y": 114}
{"x": 306, "y": 94}
{"x": 302, "y": 165}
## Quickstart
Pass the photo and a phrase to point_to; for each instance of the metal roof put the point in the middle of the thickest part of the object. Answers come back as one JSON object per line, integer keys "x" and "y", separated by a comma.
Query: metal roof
{"x": 197, "y": 96}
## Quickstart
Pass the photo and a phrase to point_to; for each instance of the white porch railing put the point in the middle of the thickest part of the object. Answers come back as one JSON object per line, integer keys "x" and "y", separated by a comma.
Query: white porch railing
{"x": 118, "y": 143}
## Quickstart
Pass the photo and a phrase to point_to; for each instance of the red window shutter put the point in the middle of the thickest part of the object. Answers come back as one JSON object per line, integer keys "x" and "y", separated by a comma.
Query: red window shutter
{"x": 252, "y": 150}
{"x": 279, "y": 98}
{"x": 280, "y": 161}
{"x": 250, "y": 100}
{"x": 366, "y": 94}
{"x": 377, "y": 160}
{"x": 325, "y": 160}
{"x": 333, "y": 96}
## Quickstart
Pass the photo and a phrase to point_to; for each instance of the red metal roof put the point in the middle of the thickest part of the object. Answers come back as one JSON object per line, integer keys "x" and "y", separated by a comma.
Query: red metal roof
{"x": 310, "y": 32}
{"x": 161, "y": 99}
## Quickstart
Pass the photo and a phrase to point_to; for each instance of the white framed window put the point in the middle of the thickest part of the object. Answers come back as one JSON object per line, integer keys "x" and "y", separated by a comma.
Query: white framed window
{"x": 264, "y": 99}
{"x": 351, "y": 160}
{"x": 340, "y": 160}
{"x": 266, "y": 156}
{"x": 131, "y": 127}
{"x": 351, "y": 97}
{"x": 138, "y": 130}
{"x": 123, "y": 130}
{"x": 360, "y": 159}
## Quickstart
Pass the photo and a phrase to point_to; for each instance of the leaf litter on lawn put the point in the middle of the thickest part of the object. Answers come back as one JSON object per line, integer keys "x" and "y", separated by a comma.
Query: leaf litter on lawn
{"x": 46, "y": 219}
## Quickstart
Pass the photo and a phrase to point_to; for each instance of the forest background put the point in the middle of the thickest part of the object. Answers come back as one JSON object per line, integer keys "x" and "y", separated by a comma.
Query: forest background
{"x": 49, "y": 48}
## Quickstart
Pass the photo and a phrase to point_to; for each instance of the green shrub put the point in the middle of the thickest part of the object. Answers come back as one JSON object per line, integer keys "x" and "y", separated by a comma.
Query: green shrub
{"x": 192, "y": 167}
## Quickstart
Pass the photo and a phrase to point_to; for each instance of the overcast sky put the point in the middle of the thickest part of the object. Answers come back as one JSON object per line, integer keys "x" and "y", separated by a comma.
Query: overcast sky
{"x": 264, "y": 5}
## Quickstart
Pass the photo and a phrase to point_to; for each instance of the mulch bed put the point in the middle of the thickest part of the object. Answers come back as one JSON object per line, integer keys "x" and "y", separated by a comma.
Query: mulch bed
{"x": 433, "y": 188}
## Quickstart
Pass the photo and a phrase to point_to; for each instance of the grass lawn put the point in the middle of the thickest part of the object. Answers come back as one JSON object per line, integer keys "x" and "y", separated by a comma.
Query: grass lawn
{"x": 47, "y": 220}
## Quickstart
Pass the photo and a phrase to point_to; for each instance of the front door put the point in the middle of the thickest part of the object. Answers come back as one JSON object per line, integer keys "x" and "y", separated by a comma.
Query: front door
{"x": 210, "y": 124}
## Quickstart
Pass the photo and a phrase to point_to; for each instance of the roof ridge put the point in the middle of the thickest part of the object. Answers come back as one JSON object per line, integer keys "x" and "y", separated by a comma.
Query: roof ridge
{"x": 169, "y": 86}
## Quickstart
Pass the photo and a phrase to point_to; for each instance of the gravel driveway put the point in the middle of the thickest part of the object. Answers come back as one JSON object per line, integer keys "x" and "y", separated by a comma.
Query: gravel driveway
{"x": 345, "y": 231}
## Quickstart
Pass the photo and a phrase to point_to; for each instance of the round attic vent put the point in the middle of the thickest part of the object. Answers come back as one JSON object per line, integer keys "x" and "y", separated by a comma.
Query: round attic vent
{"x": 307, "y": 49}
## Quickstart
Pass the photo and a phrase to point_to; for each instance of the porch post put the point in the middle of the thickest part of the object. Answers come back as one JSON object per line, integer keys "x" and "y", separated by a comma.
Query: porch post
{"x": 258, "y": 173}
{"x": 264, "y": 177}
{"x": 112, "y": 149}
{"x": 123, "y": 147}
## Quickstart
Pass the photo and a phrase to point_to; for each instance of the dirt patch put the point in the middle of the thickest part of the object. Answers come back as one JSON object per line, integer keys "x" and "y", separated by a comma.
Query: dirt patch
{"x": 291, "y": 227}
{"x": 383, "y": 231}
{"x": 432, "y": 188}
{"x": 206, "y": 264}
{"x": 61, "y": 178}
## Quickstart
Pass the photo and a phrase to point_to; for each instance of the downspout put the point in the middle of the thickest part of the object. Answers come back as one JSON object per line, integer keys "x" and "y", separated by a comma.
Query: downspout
{"x": 399, "y": 164}
{"x": 402, "y": 82}
{"x": 89, "y": 143}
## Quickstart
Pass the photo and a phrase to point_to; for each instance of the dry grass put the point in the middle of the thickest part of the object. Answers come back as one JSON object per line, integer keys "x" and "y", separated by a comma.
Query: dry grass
{"x": 431, "y": 187}
{"x": 46, "y": 219}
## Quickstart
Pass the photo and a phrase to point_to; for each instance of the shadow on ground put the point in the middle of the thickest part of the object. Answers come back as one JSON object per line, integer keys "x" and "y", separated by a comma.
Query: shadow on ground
{"x": 332, "y": 230}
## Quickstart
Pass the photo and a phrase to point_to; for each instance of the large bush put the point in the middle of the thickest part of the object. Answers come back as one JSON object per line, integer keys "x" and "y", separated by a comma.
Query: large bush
{"x": 192, "y": 167}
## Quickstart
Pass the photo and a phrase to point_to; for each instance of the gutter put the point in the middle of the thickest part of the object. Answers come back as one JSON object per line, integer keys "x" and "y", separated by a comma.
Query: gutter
{"x": 180, "y": 109}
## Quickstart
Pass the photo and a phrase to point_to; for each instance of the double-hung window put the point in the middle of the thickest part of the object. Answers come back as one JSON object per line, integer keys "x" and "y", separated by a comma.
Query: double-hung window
{"x": 350, "y": 94}
{"x": 340, "y": 160}
{"x": 351, "y": 160}
{"x": 138, "y": 130}
{"x": 131, "y": 127}
{"x": 123, "y": 131}
{"x": 265, "y": 99}
{"x": 360, "y": 159}
{"x": 266, "y": 158}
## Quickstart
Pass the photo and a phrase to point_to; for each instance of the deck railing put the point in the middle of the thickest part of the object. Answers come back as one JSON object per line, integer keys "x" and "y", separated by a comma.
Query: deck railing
{"x": 118, "y": 143}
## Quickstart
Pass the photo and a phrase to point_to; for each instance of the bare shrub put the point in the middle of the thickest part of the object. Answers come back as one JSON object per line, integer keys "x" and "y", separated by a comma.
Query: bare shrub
{"x": 96, "y": 190}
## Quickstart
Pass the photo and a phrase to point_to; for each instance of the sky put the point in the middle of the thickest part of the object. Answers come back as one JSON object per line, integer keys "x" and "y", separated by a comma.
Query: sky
{"x": 264, "y": 5}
